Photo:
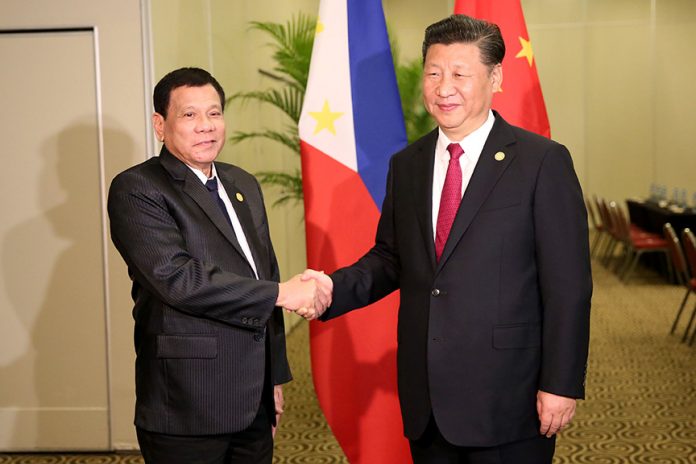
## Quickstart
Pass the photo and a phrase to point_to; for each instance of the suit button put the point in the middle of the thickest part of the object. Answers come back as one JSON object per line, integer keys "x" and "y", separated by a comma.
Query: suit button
{"x": 244, "y": 320}
{"x": 257, "y": 321}
{"x": 258, "y": 337}
{"x": 435, "y": 292}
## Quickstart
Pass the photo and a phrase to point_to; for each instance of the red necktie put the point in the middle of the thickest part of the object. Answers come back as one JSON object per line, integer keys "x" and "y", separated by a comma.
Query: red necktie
{"x": 450, "y": 198}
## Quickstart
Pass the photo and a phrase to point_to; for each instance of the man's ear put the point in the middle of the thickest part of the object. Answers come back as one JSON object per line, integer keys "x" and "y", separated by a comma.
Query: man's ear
{"x": 158, "y": 125}
{"x": 497, "y": 78}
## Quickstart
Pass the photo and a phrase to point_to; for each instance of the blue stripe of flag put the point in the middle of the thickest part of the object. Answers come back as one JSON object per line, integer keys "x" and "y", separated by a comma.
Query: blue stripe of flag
{"x": 377, "y": 116}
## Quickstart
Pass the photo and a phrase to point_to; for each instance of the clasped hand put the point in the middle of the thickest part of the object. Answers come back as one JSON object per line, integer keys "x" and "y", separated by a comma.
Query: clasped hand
{"x": 307, "y": 294}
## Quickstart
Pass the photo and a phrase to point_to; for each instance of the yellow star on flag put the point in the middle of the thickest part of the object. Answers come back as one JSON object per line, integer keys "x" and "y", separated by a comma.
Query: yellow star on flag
{"x": 526, "y": 51}
{"x": 325, "y": 119}
{"x": 320, "y": 27}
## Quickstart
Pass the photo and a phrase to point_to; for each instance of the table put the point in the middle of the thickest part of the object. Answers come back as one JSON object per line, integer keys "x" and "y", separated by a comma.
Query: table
{"x": 651, "y": 217}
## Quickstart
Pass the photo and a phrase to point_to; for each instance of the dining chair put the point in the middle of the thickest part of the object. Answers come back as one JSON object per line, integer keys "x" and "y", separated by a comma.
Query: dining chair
{"x": 597, "y": 225}
{"x": 611, "y": 232}
{"x": 636, "y": 242}
{"x": 615, "y": 238}
{"x": 681, "y": 269}
{"x": 689, "y": 243}
{"x": 618, "y": 236}
{"x": 676, "y": 254}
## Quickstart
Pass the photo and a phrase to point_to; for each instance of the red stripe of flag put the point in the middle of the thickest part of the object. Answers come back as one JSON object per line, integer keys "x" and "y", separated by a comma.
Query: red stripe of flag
{"x": 353, "y": 357}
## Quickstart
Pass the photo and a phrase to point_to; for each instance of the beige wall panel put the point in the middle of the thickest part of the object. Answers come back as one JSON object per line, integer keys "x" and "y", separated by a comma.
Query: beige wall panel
{"x": 54, "y": 430}
{"x": 407, "y": 21}
{"x": 561, "y": 62}
{"x": 632, "y": 97}
{"x": 124, "y": 129}
{"x": 676, "y": 11}
{"x": 181, "y": 32}
{"x": 620, "y": 140}
{"x": 123, "y": 148}
{"x": 556, "y": 12}
{"x": 675, "y": 98}
{"x": 51, "y": 250}
{"x": 618, "y": 10}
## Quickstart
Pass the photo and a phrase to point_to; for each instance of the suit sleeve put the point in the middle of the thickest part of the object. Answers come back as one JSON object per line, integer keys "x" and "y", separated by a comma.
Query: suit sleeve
{"x": 562, "y": 253}
{"x": 376, "y": 274}
{"x": 149, "y": 239}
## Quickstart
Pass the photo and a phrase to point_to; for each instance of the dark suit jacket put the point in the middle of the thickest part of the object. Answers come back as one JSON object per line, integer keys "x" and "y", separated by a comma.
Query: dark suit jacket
{"x": 506, "y": 310}
{"x": 204, "y": 324}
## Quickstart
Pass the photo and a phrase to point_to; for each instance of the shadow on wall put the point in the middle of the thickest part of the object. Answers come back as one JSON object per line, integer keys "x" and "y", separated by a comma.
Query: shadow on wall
{"x": 52, "y": 322}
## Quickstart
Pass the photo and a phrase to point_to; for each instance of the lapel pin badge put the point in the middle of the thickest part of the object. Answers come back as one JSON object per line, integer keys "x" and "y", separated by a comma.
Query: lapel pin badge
{"x": 240, "y": 197}
{"x": 500, "y": 156}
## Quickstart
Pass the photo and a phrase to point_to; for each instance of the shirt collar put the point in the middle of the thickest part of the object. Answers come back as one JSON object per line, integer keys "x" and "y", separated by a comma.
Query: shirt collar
{"x": 472, "y": 143}
{"x": 201, "y": 176}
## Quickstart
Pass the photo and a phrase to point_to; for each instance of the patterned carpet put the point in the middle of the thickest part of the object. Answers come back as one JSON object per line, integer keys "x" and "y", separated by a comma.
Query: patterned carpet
{"x": 641, "y": 389}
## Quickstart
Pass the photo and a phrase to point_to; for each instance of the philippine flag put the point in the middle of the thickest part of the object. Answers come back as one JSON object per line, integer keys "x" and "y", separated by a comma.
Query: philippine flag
{"x": 351, "y": 124}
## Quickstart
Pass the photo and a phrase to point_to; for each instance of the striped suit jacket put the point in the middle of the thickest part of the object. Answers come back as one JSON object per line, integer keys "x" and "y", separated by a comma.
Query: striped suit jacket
{"x": 207, "y": 332}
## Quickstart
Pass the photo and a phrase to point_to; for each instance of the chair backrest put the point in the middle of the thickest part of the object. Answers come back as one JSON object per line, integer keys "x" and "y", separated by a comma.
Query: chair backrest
{"x": 689, "y": 244}
{"x": 591, "y": 214}
{"x": 620, "y": 225}
{"x": 675, "y": 251}
{"x": 605, "y": 215}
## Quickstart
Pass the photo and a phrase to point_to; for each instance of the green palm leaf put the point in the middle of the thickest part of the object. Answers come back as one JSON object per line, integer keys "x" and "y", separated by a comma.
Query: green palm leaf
{"x": 290, "y": 140}
{"x": 288, "y": 100}
{"x": 292, "y": 46}
{"x": 416, "y": 118}
{"x": 290, "y": 185}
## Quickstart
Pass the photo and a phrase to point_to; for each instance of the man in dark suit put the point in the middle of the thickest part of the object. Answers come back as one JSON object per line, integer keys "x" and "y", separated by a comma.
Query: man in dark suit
{"x": 484, "y": 231}
{"x": 209, "y": 332}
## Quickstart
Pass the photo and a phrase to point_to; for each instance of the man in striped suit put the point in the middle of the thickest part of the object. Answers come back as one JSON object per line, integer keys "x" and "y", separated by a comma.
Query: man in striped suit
{"x": 209, "y": 333}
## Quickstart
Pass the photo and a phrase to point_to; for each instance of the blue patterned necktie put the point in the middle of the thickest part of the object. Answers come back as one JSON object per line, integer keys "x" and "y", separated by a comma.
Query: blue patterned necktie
{"x": 212, "y": 186}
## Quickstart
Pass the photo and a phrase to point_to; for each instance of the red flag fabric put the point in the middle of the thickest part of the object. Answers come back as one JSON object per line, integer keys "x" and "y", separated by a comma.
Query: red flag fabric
{"x": 351, "y": 123}
{"x": 521, "y": 102}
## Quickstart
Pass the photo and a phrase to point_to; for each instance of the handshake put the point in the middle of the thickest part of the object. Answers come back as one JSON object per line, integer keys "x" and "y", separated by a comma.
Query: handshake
{"x": 307, "y": 294}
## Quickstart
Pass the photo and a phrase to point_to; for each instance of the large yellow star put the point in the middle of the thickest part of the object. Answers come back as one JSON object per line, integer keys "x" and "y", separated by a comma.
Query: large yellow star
{"x": 325, "y": 119}
{"x": 526, "y": 51}
{"x": 320, "y": 27}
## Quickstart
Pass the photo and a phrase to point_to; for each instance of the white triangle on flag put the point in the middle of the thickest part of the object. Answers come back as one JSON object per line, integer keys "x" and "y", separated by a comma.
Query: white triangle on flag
{"x": 326, "y": 121}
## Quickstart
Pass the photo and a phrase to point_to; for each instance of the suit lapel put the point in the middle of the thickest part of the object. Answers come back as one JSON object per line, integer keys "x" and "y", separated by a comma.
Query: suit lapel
{"x": 422, "y": 170}
{"x": 486, "y": 174}
{"x": 194, "y": 188}
{"x": 241, "y": 208}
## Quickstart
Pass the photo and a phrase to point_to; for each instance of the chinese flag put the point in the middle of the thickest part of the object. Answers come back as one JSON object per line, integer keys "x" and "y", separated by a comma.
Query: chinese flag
{"x": 521, "y": 102}
{"x": 351, "y": 123}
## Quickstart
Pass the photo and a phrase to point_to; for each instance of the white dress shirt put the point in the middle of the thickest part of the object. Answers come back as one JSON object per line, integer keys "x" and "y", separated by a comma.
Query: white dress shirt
{"x": 236, "y": 225}
{"x": 472, "y": 145}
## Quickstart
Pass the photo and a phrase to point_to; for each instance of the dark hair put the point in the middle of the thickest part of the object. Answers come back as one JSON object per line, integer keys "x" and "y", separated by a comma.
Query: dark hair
{"x": 465, "y": 29}
{"x": 183, "y": 77}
